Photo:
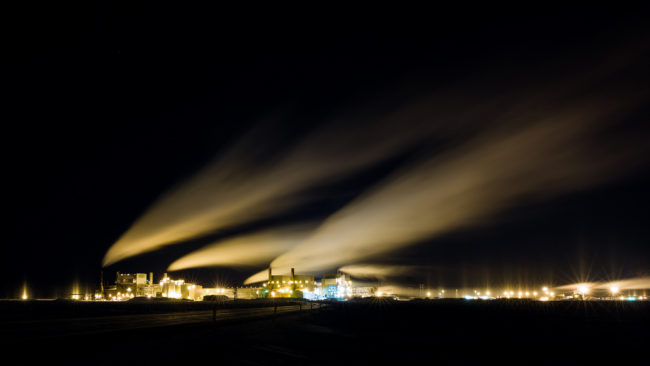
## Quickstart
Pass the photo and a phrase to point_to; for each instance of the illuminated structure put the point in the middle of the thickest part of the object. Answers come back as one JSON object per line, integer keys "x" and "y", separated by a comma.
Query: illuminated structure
{"x": 179, "y": 289}
{"x": 128, "y": 286}
{"x": 336, "y": 286}
{"x": 288, "y": 286}
{"x": 339, "y": 286}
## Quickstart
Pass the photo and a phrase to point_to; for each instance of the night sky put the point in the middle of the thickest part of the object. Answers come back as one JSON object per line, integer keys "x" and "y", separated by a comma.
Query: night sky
{"x": 108, "y": 107}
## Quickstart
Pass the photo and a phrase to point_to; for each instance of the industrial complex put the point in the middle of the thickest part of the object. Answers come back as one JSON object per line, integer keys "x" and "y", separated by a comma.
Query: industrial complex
{"x": 336, "y": 286}
{"x": 140, "y": 285}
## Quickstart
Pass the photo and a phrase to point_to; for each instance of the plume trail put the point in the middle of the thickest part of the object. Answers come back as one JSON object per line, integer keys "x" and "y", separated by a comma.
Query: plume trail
{"x": 535, "y": 150}
{"x": 250, "y": 182}
{"x": 245, "y": 250}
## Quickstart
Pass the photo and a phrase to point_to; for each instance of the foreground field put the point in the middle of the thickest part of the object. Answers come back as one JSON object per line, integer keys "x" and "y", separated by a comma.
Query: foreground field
{"x": 376, "y": 331}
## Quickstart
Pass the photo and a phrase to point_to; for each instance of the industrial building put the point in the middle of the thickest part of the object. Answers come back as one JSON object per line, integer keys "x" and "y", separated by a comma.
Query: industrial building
{"x": 332, "y": 286}
{"x": 336, "y": 286}
{"x": 288, "y": 286}
{"x": 128, "y": 286}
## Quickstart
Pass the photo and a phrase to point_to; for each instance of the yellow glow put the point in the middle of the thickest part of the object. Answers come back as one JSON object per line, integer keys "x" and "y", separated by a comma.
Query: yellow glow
{"x": 421, "y": 199}
{"x": 544, "y": 298}
{"x": 545, "y": 289}
{"x": 252, "y": 249}
{"x": 437, "y": 195}
{"x": 379, "y": 293}
{"x": 583, "y": 289}
{"x": 614, "y": 290}
{"x": 428, "y": 294}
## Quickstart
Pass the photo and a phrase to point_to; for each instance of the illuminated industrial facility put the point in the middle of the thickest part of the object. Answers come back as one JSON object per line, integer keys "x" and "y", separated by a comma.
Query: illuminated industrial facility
{"x": 339, "y": 286}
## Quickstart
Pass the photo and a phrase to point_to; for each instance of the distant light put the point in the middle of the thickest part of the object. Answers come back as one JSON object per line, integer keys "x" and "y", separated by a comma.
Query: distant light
{"x": 552, "y": 293}
{"x": 24, "y": 296}
{"x": 545, "y": 289}
{"x": 583, "y": 289}
{"x": 487, "y": 293}
{"x": 527, "y": 293}
{"x": 631, "y": 298}
{"x": 614, "y": 290}
{"x": 535, "y": 293}
{"x": 544, "y": 298}
{"x": 428, "y": 294}
{"x": 379, "y": 293}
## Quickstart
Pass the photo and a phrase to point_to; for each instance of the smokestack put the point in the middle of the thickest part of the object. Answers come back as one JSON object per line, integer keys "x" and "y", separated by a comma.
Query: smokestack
{"x": 165, "y": 275}
{"x": 269, "y": 274}
{"x": 151, "y": 278}
{"x": 101, "y": 282}
{"x": 293, "y": 275}
{"x": 117, "y": 280}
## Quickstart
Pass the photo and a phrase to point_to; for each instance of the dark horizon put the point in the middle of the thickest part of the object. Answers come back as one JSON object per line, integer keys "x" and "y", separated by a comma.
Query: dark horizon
{"x": 111, "y": 107}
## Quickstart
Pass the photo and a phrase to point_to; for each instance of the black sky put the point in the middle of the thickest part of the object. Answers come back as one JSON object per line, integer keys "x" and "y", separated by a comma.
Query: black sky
{"x": 107, "y": 106}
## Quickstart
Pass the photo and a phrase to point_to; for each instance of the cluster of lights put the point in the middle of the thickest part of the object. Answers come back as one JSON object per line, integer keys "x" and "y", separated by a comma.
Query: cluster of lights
{"x": 381, "y": 293}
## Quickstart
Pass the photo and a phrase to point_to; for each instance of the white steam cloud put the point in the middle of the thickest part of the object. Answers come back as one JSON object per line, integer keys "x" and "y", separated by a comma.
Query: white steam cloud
{"x": 237, "y": 189}
{"x": 531, "y": 153}
{"x": 245, "y": 250}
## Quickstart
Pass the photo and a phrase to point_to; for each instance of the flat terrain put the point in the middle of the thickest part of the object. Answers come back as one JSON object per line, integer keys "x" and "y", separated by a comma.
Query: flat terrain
{"x": 376, "y": 331}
